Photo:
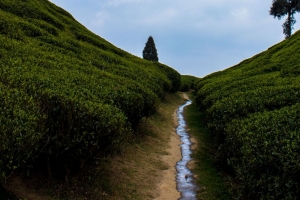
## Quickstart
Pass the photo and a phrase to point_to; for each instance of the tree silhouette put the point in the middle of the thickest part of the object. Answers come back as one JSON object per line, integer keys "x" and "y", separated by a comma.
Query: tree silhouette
{"x": 150, "y": 52}
{"x": 281, "y": 8}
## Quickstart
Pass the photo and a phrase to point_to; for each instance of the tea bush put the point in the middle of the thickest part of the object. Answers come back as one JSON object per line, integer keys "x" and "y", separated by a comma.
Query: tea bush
{"x": 187, "y": 82}
{"x": 67, "y": 94}
{"x": 252, "y": 113}
{"x": 265, "y": 153}
{"x": 21, "y": 128}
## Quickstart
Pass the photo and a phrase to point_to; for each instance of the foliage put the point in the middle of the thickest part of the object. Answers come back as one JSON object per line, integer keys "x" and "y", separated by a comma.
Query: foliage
{"x": 205, "y": 168}
{"x": 252, "y": 113}
{"x": 150, "y": 52}
{"x": 187, "y": 82}
{"x": 172, "y": 75}
{"x": 66, "y": 93}
{"x": 266, "y": 154}
{"x": 281, "y": 8}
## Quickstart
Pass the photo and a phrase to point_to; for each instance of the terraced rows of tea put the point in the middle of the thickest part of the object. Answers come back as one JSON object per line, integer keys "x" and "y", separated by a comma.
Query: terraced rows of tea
{"x": 253, "y": 111}
{"x": 66, "y": 94}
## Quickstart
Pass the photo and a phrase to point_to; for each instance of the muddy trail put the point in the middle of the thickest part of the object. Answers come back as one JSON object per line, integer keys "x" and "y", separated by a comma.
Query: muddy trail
{"x": 178, "y": 181}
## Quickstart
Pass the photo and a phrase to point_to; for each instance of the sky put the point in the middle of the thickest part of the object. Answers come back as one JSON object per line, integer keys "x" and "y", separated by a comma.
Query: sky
{"x": 195, "y": 37}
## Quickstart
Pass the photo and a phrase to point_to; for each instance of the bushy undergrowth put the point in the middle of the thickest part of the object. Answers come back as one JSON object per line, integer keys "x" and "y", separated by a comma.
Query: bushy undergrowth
{"x": 66, "y": 93}
{"x": 187, "y": 82}
{"x": 253, "y": 115}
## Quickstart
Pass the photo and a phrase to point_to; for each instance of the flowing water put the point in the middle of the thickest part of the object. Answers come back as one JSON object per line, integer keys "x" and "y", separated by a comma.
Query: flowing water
{"x": 185, "y": 179}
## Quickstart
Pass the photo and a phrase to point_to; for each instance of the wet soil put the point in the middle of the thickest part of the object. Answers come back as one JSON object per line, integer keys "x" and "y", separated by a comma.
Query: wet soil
{"x": 178, "y": 181}
{"x": 185, "y": 178}
{"x": 167, "y": 186}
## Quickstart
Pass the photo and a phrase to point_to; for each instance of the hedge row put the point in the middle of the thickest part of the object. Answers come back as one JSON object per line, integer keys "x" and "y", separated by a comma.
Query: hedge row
{"x": 65, "y": 93}
{"x": 265, "y": 153}
{"x": 252, "y": 112}
{"x": 187, "y": 83}
{"x": 244, "y": 103}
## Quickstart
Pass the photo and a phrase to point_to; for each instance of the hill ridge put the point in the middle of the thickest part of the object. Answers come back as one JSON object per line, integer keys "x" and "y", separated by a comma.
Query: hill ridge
{"x": 66, "y": 93}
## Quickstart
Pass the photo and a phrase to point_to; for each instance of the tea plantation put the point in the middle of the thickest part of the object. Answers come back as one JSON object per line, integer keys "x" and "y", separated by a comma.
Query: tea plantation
{"x": 66, "y": 94}
{"x": 187, "y": 82}
{"x": 253, "y": 114}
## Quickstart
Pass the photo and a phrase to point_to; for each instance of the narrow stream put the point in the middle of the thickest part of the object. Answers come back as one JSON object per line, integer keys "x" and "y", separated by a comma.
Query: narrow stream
{"x": 185, "y": 179}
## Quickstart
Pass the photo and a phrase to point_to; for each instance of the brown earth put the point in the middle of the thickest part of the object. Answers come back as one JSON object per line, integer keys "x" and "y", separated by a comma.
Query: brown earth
{"x": 168, "y": 184}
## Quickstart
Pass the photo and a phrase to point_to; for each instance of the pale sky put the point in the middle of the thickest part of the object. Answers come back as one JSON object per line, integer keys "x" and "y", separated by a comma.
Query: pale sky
{"x": 195, "y": 37}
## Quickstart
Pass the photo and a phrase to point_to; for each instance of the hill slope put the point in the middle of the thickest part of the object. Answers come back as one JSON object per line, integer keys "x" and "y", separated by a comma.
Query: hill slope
{"x": 187, "y": 82}
{"x": 253, "y": 112}
{"x": 66, "y": 93}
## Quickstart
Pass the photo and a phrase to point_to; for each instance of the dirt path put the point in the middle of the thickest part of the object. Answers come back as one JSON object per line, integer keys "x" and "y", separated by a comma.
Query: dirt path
{"x": 184, "y": 96}
{"x": 168, "y": 184}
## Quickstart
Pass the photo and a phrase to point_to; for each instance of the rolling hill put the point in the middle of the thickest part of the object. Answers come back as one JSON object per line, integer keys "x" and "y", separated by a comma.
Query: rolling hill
{"x": 67, "y": 94}
{"x": 252, "y": 111}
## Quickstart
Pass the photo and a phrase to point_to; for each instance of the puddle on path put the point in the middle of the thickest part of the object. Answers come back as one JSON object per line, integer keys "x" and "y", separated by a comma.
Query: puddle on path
{"x": 185, "y": 178}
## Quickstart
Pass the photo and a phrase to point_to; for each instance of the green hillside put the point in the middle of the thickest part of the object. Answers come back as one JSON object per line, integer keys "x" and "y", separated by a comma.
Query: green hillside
{"x": 187, "y": 82}
{"x": 253, "y": 113}
{"x": 66, "y": 94}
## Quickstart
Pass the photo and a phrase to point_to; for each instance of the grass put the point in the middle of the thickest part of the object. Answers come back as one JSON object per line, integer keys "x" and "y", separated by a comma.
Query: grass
{"x": 211, "y": 180}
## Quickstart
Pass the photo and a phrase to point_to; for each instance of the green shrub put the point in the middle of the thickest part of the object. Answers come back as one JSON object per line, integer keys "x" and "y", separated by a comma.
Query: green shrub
{"x": 187, "y": 83}
{"x": 172, "y": 75}
{"x": 21, "y": 129}
{"x": 66, "y": 94}
{"x": 252, "y": 112}
{"x": 9, "y": 28}
{"x": 78, "y": 130}
{"x": 265, "y": 153}
{"x": 241, "y": 104}
{"x": 45, "y": 26}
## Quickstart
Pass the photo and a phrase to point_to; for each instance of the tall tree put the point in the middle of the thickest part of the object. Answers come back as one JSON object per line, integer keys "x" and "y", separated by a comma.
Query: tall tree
{"x": 150, "y": 52}
{"x": 281, "y": 8}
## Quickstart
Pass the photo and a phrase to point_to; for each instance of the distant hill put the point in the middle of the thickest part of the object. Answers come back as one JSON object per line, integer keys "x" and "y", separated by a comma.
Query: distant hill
{"x": 66, "y": 93}
{"x": 253, "y": 113}
{"x": 187, "y": 82}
